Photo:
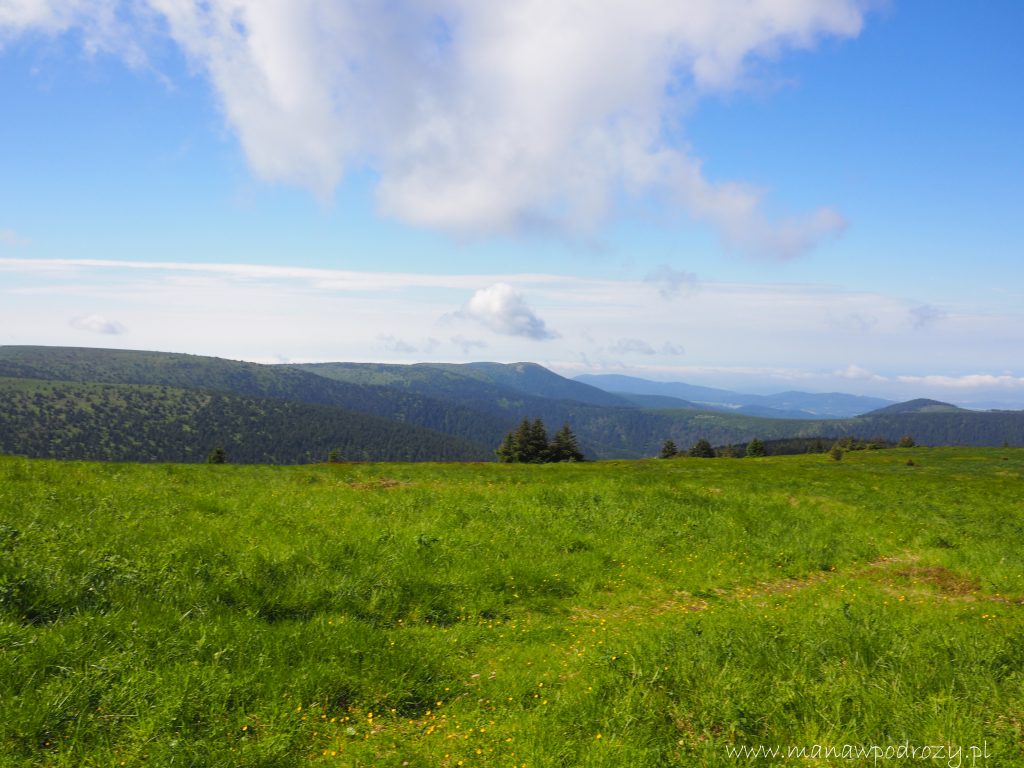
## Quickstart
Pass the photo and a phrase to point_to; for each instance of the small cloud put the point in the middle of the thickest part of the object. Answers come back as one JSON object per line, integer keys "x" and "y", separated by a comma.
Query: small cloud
{"x": 13, "y": 239}
{"x": 468, "y": 345}
{"x": 632, "y": 347}
{"x": 926, "y": 314}
{"x": 505, "y": 311}
{"x": 856, "y": 373}
{"x": 672, "y": 283}
{"x": 98, "y": 324}
{"x": 668, "y": 348}
{"x": 394, "y": 344}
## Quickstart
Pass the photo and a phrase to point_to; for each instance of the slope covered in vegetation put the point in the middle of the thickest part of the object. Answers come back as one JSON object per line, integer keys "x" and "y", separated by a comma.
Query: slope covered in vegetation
{"x": 120, "y": 422}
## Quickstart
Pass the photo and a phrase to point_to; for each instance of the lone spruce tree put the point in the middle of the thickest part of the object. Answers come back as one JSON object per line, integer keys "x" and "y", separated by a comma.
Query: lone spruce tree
{"x": 564, "y": 446}
{"x": 668, "y": 450}
{"x": 755, "y": 448}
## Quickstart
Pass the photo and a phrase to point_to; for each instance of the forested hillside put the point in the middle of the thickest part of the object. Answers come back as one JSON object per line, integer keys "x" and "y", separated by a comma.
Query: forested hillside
{"x": 114, "y": 366}
{"x": 119, "y": 422}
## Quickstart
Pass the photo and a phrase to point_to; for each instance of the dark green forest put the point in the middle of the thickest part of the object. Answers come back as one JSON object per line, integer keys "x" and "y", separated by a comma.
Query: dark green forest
{"x": 117, "y": 422}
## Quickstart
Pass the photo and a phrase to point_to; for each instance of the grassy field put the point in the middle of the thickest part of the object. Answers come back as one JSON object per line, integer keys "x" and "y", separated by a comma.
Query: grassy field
{"x": 646, "y": 613}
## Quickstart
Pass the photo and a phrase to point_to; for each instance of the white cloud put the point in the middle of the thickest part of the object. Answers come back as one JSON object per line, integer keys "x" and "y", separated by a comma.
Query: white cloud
{"x": 480, "y": 117}
{"x": 12, "y": 238}
{"x": 672, "y": 350}
{"x": 98, "y": 324}
{"x": 107, "y": 26}
{"x": 503, "y": 310}
{"x": 856, "y": 373}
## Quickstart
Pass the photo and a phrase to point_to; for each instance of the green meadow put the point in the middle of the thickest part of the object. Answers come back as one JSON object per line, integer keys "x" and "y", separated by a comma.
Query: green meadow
{"x": 642, "y": 613}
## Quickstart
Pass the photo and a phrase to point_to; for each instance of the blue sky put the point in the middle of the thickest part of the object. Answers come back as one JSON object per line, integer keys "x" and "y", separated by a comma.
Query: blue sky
{"x": 821, "y": 196}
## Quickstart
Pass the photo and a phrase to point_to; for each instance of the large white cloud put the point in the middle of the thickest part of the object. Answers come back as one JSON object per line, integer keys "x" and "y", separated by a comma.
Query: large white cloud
{"x": 502, "y": 309}
{"x": 480, "y": 117}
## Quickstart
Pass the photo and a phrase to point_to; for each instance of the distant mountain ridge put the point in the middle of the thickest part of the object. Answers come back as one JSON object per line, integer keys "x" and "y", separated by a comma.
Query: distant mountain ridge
{"x": 155, "y": 406}
{"x": 782, "y": 405}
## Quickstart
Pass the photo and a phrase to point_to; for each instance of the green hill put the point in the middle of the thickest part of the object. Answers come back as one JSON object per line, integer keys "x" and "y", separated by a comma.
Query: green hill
{"x": 920, "y": 405}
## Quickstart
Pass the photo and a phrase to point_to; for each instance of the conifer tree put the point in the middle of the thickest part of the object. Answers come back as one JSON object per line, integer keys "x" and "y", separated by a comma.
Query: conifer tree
{"x": 536, "y": 451}
{"x": 507, "y": 450}
{"x": 702, "y": 450}
{"x": 521, "y": 441}
{"x": 668, "y": 450}
{"x": 755, "y": 448}
{"x": 564, "y": 446}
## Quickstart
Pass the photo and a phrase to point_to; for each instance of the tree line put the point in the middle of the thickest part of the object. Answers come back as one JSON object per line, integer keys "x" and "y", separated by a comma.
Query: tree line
{"x": 702, "y": 449}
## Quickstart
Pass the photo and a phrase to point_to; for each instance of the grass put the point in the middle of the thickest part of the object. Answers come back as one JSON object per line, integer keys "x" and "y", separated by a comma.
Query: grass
{"x": 611, "y": 614}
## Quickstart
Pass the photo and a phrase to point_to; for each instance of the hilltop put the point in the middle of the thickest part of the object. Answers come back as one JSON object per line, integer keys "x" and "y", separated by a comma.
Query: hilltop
{"x": 920, "y": 405}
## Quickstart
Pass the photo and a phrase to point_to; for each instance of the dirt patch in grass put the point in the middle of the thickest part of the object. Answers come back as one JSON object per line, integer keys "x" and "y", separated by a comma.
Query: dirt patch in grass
{"x": 381, "y": 483}
{"x": 940, "y": 579}
{"x": 900, "y": 572}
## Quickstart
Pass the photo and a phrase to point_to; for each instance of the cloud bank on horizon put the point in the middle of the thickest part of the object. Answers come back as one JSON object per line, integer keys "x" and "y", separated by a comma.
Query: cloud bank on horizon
{"x": 575, "y": 324}
{"x": 478, "y": 118}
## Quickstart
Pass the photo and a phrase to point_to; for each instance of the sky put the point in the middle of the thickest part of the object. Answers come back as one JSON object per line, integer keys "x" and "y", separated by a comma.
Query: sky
{"x": 823, "y": 195}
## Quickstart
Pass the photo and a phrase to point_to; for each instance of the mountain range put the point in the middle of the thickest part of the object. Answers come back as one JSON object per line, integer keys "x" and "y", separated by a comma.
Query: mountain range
{"x": 785, "y": 405}
{"x": 84, "y": 403}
